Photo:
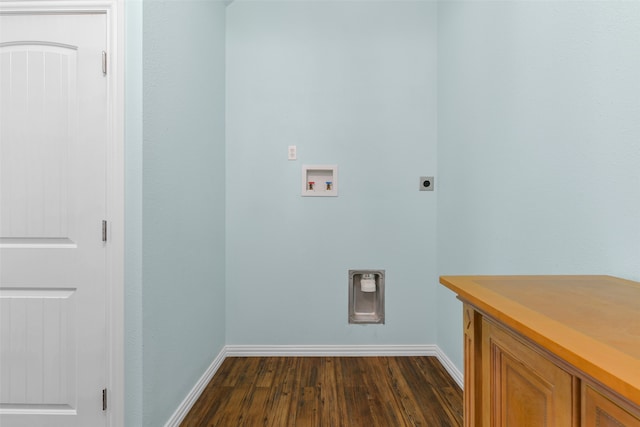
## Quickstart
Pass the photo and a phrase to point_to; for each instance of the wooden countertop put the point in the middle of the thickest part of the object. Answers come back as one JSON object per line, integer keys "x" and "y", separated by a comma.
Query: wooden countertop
{"x": 591, "y": 322}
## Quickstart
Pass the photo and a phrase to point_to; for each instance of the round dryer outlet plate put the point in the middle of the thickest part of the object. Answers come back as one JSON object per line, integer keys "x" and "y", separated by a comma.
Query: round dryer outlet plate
{"x": 426, "y": 183}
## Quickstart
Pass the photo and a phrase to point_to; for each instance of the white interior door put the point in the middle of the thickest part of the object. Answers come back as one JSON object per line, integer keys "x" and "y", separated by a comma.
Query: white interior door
{"x": 53, "y": 139}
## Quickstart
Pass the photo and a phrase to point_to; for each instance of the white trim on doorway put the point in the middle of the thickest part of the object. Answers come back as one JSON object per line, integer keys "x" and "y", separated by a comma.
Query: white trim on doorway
{"x": 114, "y": 11}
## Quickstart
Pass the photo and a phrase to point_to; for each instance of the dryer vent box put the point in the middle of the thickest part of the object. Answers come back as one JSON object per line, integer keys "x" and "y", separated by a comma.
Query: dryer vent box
{"x": 366, "y": 296}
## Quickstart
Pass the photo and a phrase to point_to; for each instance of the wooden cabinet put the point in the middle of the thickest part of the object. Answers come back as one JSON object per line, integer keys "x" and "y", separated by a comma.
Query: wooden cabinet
{"x": 527, "y": 365}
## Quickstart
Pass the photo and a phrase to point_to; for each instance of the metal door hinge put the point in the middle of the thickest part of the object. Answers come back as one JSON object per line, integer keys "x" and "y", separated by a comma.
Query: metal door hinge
{"x": 104, "y": 399}
{"x": 104, "y": 62}
{"x": 104, "y": 230}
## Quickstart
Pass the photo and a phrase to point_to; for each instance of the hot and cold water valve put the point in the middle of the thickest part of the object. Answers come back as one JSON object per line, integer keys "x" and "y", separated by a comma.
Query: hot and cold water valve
{"x": 320, "y": 180}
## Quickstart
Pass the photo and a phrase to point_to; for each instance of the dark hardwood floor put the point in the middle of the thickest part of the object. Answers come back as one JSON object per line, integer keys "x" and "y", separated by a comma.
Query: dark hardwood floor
{"x": 329, "y": 391}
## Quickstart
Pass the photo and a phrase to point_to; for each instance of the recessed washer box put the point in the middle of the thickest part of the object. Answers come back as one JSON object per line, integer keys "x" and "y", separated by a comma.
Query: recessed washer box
{"x": 319, "y": 180}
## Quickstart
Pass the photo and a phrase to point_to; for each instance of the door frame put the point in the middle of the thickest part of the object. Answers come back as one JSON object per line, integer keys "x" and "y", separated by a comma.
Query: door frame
{"x": 114, "y": 11}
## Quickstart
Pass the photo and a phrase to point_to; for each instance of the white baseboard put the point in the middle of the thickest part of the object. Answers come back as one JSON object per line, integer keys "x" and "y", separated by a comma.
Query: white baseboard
{"x": 196, "y": 391}
{"x": 451, "y": 368}
{"x": 349, "y": 350}
{"x": 309, "y": 350}
{"x": 331, "y": 350}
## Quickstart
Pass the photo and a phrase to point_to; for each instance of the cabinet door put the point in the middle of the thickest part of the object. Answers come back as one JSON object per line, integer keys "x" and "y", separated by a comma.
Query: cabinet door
{"x": 602, "y": 411}
{"x": 521, "y": 387}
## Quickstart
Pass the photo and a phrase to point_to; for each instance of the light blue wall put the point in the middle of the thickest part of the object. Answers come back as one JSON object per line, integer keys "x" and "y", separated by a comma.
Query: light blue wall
{"x": 539, "y": 142}
{"x": 183, "y": 190}
{"x": 352, "y": 84}
{"x": 133, "y": 214}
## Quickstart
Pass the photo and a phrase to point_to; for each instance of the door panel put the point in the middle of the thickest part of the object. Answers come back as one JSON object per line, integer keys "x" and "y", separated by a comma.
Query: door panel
{"x": 38, "y": 109}
{"x": 53, "y": 136}
{"x": 37, "y": 323}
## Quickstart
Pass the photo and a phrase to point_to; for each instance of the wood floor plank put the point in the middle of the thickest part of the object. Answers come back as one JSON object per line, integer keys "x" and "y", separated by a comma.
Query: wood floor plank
{"x": 332, "y": 409}
{"x": 228, "y": 414}
{"x": 329, "y": 392}
{"x": 304, "y": 408}
{"x": 378, "y": 381}
{"x": 257, "y": 410}
{"x": 410, "y": 408}
{"x": 282, "y": 391}
{"x": 347, "y": 380}
{"x": 448, "y": 394}
{"x": 307, "y": 410}
{"x": 424, "y": 394}
{"x": 266, "y": 371}
{"x": 295, "y": 392}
